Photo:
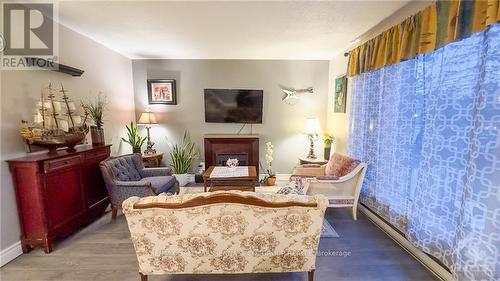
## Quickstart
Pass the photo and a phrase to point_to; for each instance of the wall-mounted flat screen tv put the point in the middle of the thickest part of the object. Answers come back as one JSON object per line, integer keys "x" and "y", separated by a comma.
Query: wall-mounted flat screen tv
{"x": 233, "y": 106}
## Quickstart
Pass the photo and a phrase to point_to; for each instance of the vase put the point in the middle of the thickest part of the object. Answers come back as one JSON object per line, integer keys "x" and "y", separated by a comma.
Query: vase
{"x": 182, "y": 179}
{"x": 327, "y": 151}
{"x": 270, "y": 181}
{"x": 136, "y": 150}
{"x": 97, "y": 135}
{"x": 231, "y": 168}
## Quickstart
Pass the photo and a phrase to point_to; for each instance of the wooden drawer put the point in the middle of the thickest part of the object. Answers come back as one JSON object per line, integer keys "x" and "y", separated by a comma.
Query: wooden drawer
{"x": 54, "y": 165}
{"x": 97, "y": 153}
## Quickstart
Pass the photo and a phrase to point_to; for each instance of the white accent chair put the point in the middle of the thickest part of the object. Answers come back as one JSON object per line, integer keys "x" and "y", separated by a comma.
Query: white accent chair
{"x": 340, "y": 181}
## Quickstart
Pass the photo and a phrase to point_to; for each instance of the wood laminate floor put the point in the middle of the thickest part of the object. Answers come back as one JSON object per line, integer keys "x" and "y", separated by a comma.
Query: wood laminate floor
{"x": 103, "y": 251}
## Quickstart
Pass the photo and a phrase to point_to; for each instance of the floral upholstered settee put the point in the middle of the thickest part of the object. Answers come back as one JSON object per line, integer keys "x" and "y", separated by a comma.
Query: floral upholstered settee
{"x": 225, "y": 232}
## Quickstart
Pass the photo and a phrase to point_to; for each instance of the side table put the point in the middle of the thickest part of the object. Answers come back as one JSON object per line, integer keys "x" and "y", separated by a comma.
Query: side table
{"x": 152, "y": 160}
{"x": 312, "y": 161}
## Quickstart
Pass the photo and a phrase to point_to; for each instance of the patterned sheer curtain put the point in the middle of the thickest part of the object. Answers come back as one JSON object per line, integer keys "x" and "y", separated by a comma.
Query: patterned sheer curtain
{"x": 429, "y": 129}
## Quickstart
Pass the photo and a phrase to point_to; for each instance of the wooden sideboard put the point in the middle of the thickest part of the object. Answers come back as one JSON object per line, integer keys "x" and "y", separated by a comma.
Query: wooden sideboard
{"x": 58, "y": 194}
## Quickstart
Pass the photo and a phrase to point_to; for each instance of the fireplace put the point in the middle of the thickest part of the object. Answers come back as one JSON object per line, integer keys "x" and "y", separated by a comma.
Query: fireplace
{"x": 218, "y": 148}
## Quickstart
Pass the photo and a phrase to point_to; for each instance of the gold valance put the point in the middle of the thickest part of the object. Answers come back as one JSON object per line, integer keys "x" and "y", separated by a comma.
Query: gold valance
{"x": 440, "y": 23}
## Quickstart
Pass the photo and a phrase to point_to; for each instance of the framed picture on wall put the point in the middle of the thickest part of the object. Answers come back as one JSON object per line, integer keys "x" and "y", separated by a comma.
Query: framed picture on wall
{"x": 340, "y": 94}
{"x": 162, "y": 91}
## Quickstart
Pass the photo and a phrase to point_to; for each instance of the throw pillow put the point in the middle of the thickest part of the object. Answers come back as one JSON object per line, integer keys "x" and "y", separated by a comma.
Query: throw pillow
{"x": 293, "y": 187}
{"x": 340, "y": 165}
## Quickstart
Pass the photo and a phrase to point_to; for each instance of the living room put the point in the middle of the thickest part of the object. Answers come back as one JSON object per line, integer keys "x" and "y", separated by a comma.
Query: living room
{"x": 245, "y": 140}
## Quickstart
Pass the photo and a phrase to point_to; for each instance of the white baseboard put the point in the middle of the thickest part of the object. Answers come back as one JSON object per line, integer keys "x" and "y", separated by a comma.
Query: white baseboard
{"x": 10, "y": 253}
{"x": 434, "y": 267}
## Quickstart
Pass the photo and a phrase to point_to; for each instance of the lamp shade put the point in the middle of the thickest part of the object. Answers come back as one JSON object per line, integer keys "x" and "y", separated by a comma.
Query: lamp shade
{"x": 312, "y": 126}
{"x": 147, "y": 118}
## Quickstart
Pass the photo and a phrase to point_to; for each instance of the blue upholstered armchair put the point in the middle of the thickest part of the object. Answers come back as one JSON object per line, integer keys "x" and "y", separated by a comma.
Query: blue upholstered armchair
{"x": 125, "y": 176}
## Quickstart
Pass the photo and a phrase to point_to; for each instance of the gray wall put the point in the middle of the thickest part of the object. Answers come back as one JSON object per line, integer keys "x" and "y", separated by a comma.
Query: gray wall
{"x": 105, "y": 70}
{"x": 282, "y": 124}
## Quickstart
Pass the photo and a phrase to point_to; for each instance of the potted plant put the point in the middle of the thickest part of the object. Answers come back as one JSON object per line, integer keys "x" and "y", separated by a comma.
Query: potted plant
{"x": 182, "y": 156}
{"x": 270, "y": 178}
{"x": 327, "y": 141}
{"x": 95, "y": 109}
{"x": 134, "y": 139}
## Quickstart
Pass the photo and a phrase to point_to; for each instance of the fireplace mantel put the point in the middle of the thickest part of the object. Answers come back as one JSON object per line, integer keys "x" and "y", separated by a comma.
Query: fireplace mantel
{"x": 243, "y": 147}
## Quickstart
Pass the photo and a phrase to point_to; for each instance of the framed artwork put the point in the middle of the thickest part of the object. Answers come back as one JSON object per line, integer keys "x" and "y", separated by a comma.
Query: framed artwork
{"x": 340, "y": 94}
{"x": 162, "y": 91}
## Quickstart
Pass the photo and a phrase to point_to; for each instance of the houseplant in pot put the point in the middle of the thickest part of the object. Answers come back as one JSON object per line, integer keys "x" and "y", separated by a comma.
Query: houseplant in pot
{"x": 95, "y": 109}
{"x": 270, "y": 178}
{"x": 182, "y": 156}
{"x": 134, "y": 139}
{"x": 327, "y": 145}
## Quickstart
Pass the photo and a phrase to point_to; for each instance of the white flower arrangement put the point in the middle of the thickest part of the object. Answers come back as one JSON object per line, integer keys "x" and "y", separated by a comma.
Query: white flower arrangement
{"x": 232, "y": 163}
{"x": 269, "y": 159}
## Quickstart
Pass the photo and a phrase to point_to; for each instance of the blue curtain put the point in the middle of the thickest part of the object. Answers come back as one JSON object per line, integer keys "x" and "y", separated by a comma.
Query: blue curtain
{"x": 429, "y": 130}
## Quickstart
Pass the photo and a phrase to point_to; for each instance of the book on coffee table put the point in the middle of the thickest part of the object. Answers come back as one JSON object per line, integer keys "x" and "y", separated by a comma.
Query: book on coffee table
{"x": 225, "y": 172}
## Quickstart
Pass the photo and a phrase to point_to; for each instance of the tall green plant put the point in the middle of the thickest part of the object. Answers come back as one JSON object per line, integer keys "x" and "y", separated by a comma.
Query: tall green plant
{"x": 182, "y": 155}
{"x": 96, "y": 109}
{"x": 134, "y": 139}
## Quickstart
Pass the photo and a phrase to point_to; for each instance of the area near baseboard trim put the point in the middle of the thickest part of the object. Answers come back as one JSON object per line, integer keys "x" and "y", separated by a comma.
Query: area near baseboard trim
{"x": 10, "y": 253}
{"x": 438, "y": 270}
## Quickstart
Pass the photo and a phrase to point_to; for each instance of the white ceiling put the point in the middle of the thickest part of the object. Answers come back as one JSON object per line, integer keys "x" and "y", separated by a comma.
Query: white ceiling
{"x": 226, "y": 29}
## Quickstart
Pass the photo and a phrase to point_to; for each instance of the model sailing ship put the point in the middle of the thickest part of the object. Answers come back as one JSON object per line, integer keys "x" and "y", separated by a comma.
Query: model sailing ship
{"x": 56, "y": 122}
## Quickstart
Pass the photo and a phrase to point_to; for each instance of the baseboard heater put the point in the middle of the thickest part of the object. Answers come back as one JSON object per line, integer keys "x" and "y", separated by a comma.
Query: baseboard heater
{"x": 437, "y": 269}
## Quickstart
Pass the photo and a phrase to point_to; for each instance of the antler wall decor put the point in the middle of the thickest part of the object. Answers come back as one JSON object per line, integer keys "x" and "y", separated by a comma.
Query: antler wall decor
{"x": 291, "y": 97}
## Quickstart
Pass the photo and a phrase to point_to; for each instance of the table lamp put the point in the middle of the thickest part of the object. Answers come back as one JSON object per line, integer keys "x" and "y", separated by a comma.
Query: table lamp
{"x": 312, "y": 131}
{"x": 148, "y": 118}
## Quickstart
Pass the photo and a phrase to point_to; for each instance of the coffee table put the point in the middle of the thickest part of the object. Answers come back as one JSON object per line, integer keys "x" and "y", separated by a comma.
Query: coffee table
{"x": 230, "y": 183}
